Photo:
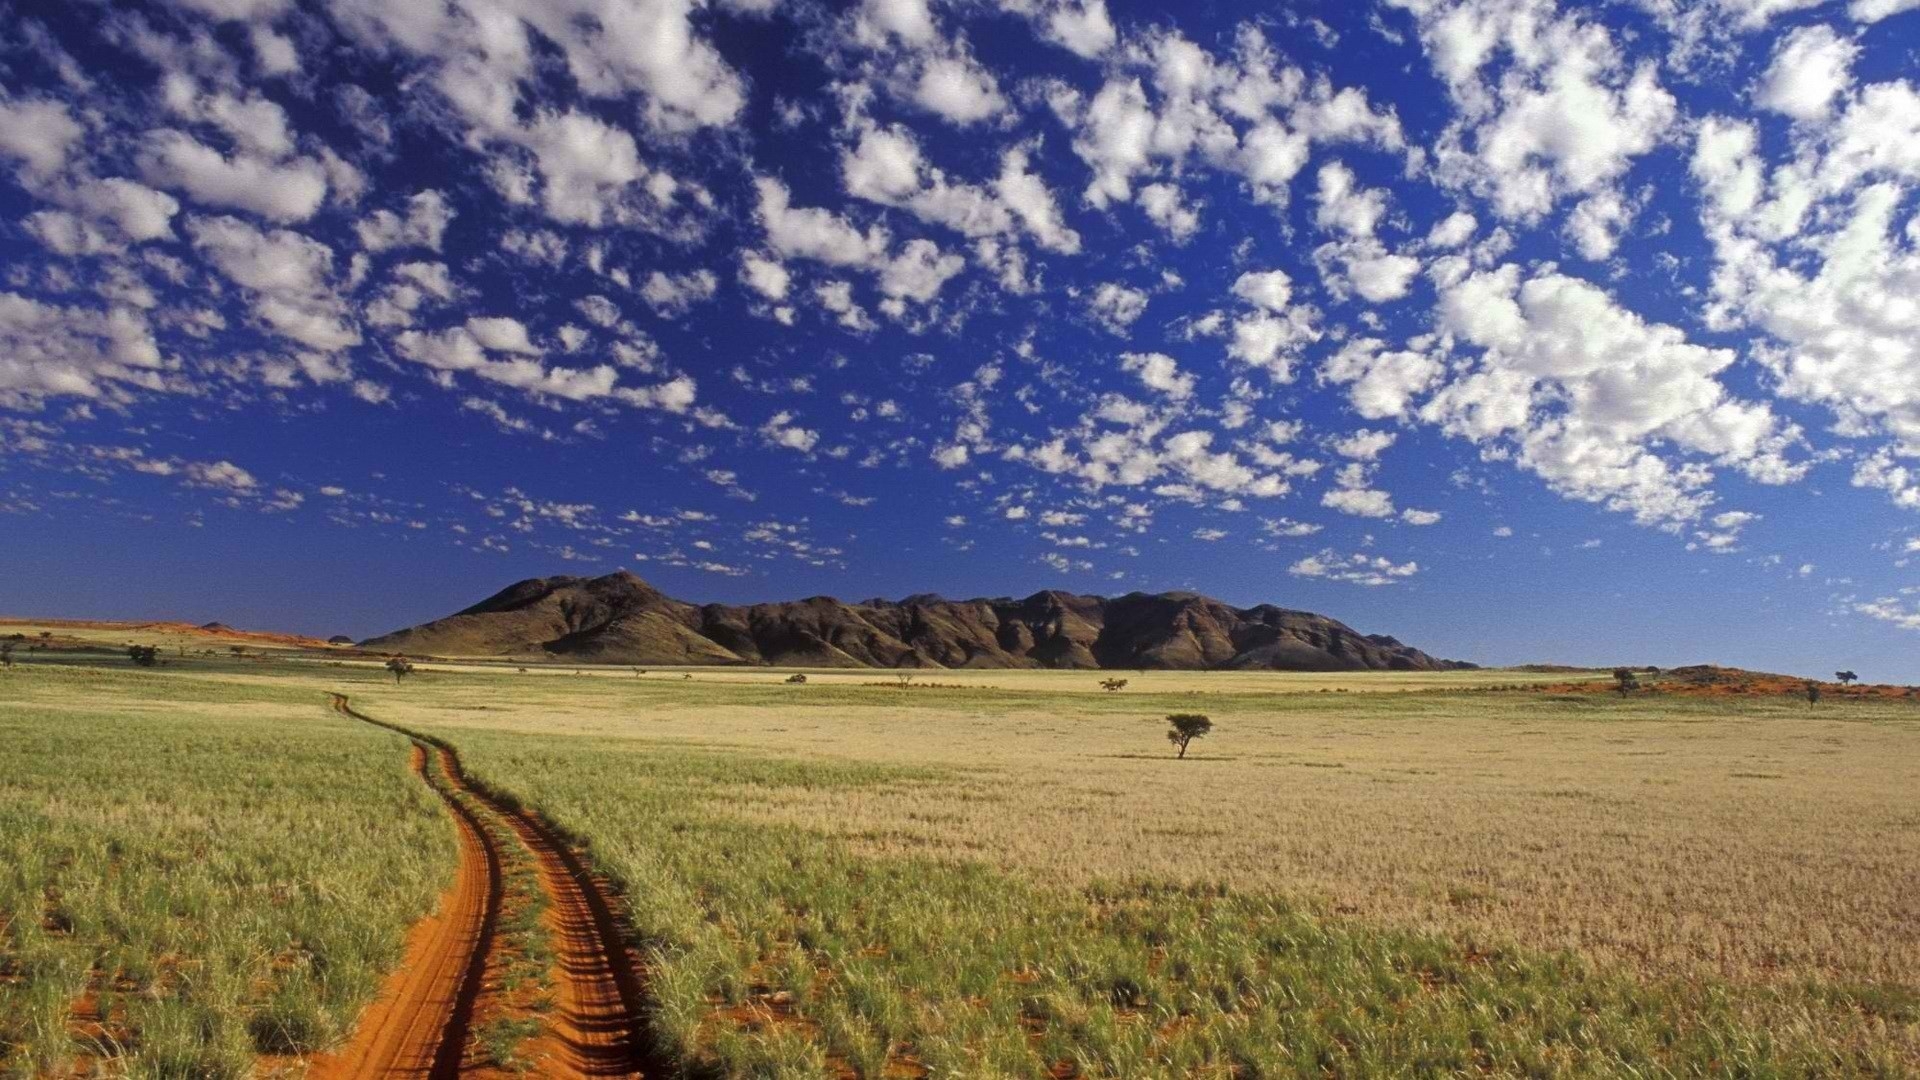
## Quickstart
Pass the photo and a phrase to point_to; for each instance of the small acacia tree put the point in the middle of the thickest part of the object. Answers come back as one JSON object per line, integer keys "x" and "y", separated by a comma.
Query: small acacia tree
{"x": 1846, "y": 677}
{"x": 6, "y": 654}
{"x": 143, "y": 655}
{"x": 1625, "y": 680}
{"x": 1813, "y": 692}
{"x": 1185, "y": 728}
{"x": 401, "y": 668}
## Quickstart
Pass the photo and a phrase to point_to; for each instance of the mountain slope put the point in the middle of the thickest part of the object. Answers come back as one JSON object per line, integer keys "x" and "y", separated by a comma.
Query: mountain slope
{"x": 621, "y": 619}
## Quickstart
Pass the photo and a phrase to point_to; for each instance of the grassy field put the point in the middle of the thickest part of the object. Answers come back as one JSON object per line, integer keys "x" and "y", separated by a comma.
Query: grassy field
{"x": 1011, "y": 876}
{"x": 195, "y": 874}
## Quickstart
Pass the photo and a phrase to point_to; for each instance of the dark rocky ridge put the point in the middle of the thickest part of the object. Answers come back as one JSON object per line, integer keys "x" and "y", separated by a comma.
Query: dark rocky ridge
{"x": 620, "y": 619}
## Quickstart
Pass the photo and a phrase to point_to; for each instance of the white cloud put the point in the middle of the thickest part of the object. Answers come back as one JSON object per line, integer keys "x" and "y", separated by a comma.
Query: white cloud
{"x": 1166, "y": 206}
{"x": 781, "y": 431}
{"x": 587, "y": 168}
{"x": 1026, "y": 194}
{"x": 673, "y": 295}
{"x": 47, "y": 350}
{"x": 423, "y": 226}
{"x": 460, "y": 350}
{"x": 1287, "y": 528}
{"x": 610, "y": 48}
{"x": 284, "y": 193}
{"x": 1116, "y": 306}
{"x": 1272, "y": 335}
{"x": 274, "y": 52}
{"x": 221, "y": 474}
{"x": 1269, "y": 290}
{"x": 909, "y": 20}
{"x": 1345, "y": 206}
{"x": 1811, "y": 66}
{"x": 1083, "y": 27}
{"x": 1870, "y": 11}
{"x": 237, "y": 10}
{"x": 1585, "y": 389}
{"x": 1353, "y": 492}
{"x": 1363, "y": 445}
{"x": 1818, "y": 255}
{"x": 1356, "y": 569}
{"x": 958, "y": 89}
{"x": 1596, "y": 224}
{"x": 502, "y": 334}
{"x": 38, "y": 134}
{"x": 919, "y": 272}
{"x": 1454, "y": 231}
{"x": 1158, "y": 371}
{"x": 886, "y": 166}
{"x": 1360, "y": 502}
{"x": 105, "y": 216}
{"x": 768, "y": 277}
{"x": 287, "y": 276}
{"x": 1567, "y": 116}
{"x": 1382, "y": 383}
{"x": 814, "y": 233}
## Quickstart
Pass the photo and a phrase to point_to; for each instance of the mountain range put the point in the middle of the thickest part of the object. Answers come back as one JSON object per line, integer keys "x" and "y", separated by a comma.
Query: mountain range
{"x": 620, "y": 619}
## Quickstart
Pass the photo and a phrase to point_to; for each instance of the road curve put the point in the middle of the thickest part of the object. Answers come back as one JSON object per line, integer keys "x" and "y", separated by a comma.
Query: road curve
{"x": 595, "y": 1029}
{"x": 418, "y": 1026}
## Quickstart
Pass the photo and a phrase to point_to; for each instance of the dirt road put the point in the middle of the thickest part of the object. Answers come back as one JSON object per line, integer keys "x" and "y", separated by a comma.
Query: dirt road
{"x": 421, "y": 1024}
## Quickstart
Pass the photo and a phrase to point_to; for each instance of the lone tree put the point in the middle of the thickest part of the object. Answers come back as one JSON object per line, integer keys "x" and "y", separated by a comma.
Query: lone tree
{"x": 1846, "y": 677}
{"x": 1186, "y": 728}
{"x": 401, "y": 668}
{"x": 6, "y": 654}
{"x": 1813, "y": 693}
{"x": 143, "y": 655}
{"x": 1627, "y": 682}
{"x": 1110, "y": 685}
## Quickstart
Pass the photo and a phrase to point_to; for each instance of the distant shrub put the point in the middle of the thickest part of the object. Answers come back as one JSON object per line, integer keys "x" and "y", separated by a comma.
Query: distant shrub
{"x": 796, "y": 679}
{"x": 143, "y": 655}
{"x": 400, "y": 666}
{"x": 1187, "y": 727}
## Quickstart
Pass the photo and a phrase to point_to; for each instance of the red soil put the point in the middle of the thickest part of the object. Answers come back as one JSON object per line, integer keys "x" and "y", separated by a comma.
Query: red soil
{"x": 222, "y": 634}
{"x": 595, "y": 1028}
{"x": 418, "y": 1026}
{"x": 1707, "y": 680}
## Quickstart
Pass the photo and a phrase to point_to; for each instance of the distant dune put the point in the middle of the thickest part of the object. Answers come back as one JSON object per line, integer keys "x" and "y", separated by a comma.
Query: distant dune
{"x": 620, "y": 619}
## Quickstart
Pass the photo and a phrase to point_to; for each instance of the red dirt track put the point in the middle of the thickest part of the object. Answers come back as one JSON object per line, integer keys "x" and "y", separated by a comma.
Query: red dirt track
{"x": 420, "y": 1024}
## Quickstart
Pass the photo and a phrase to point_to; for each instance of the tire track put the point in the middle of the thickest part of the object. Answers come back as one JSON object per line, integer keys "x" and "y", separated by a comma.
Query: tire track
{"x": 596, "y": 1028}
{"x": 419, "y": 1024}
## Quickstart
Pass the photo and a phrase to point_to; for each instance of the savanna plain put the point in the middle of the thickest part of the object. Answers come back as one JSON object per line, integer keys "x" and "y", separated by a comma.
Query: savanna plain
{"x": 205, "y": 870}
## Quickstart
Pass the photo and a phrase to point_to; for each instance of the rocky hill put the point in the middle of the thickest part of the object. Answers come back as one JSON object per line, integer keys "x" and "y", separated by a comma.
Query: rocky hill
{"x": 620, "y": 619}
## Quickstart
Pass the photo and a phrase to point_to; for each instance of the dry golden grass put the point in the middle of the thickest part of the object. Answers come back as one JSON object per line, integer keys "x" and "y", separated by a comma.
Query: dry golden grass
{"x": 1756, "y": 840}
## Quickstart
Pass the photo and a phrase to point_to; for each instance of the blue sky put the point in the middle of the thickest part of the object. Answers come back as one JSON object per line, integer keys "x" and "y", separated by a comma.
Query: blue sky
{"x": 1520, "y": 330}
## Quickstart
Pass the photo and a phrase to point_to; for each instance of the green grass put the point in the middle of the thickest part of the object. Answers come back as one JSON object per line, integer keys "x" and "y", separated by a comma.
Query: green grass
{"x": 231, "y": 870}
